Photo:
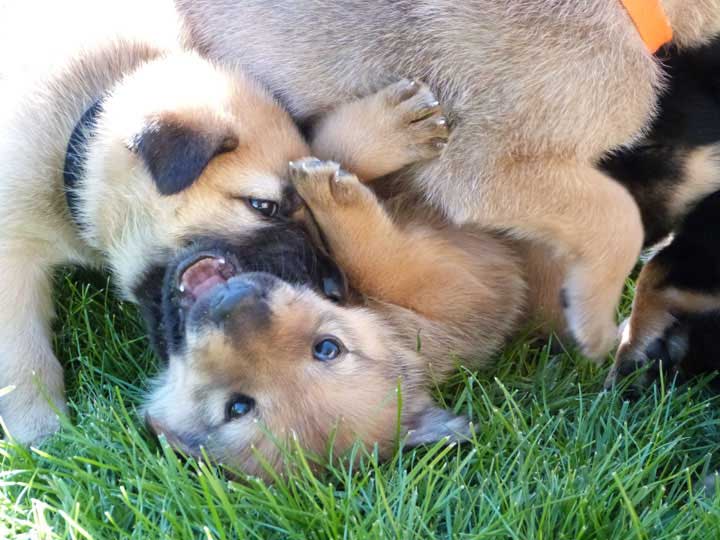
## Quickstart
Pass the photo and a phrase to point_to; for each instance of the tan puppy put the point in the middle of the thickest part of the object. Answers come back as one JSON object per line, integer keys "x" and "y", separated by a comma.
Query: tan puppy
{"x": 154, "y": 146}
{"x": 538, "y": 91}
{"x": 257, "y": 354}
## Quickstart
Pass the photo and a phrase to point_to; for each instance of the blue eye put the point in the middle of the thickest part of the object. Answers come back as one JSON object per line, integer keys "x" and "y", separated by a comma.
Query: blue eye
{"x": 239, "y": 406}
{"x": 265, "y": 207}
{"x": 327, "y": 349}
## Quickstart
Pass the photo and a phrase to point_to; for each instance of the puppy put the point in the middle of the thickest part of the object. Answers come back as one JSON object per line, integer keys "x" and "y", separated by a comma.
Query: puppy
{"x": 674, "y": 174}
{"x": 537, "y": 91}
{"x": 259, "y": 355}
{"x": 120, "y": 153}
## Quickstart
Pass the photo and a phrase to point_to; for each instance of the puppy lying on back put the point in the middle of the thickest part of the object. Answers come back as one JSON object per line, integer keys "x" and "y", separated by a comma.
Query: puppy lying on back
{"x": 258, "y": 353}
{"x": 123, "y": 151}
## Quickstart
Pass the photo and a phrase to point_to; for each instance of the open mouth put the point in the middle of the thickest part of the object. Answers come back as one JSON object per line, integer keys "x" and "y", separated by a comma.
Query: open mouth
{"x": 201, "y": 275}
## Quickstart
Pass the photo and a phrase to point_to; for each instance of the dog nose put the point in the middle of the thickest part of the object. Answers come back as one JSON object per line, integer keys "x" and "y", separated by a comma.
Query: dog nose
{"x": 230, "y": 297}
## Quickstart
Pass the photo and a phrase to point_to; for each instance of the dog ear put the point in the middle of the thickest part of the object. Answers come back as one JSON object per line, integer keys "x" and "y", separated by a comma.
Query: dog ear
{"x": 176, "y": 153}
{"x": 332, "y": 280}
{"x": 433, "y": 424}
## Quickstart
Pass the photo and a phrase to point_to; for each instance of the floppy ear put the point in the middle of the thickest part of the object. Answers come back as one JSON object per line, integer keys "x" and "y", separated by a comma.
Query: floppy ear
{"x": 332, "y": 280}
{"x": 176, "y": 153}
{"x": 433, "y": 424}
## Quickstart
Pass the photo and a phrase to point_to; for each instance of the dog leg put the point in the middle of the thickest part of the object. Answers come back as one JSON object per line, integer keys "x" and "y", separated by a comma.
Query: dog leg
{"x": 642, "y": 334}
{"x": 362, "y": 238}
{"x": 591, "y": 220}
{"x": 381, "y": 133}
{"x": 545, "y": 274}
{"x": 683, "y": 279}
{"x": 29, "y": 371}
{"x": 448, "y": 295}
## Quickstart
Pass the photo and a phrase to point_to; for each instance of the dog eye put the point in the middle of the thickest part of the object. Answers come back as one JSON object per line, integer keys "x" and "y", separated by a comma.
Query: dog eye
{"x": 238, "y": 407}
{"x": 263, "y": 206}
{"x": 326, "y": 349}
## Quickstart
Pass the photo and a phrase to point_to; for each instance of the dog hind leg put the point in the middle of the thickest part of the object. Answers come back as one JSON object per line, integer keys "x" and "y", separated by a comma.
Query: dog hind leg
{"x": 587, "y": 217}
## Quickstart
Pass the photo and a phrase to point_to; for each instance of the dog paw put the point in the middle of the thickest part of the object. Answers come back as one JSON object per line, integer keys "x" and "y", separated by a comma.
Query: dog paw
{"x": 381, "y": 133}
{"x": 324, "y": 183}
{"x": 347, "y": 189}
{"x": 414, "y": 113}
{"x": 416, "y": 116}
{"x": 645, "y": 354}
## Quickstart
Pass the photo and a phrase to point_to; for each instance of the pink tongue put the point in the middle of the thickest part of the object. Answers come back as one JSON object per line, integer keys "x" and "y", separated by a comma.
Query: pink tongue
{"x": 203, "y": 276}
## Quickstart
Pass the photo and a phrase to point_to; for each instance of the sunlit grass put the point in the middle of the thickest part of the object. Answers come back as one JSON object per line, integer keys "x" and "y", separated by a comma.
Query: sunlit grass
{"x": 553, "y": 457}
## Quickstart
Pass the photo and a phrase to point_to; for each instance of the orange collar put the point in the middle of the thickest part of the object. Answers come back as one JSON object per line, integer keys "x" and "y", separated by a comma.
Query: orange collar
{"x": 650, "y": 20}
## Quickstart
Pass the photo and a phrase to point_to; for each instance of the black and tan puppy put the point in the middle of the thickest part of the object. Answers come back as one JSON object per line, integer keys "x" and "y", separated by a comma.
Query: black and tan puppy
{"x": 124, "y": 148}
{"x": 538, "y": 92}
{"x": 259, "y": 353}
{"x": 674, "y": 175}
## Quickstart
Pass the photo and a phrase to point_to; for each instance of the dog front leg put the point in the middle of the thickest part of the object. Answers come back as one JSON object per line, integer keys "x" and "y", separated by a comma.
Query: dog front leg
{"x": 31, "y": 378}
{"x": 586, "y": 216}
{"x": 458, "y": 292}
{"x": 379, "y": 258}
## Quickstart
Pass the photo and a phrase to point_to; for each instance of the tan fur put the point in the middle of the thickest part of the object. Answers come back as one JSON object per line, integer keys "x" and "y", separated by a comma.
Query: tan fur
{"x": 701, "y": 177}
{"x": 544, "y": 272}
{"x": 465, "y": 281}
{"x": 537, "y": 92}
{"x": 654, "y": 310}
{"x": 127, "y": 224}
{"x": 651, "y": 316}
{"x": 357, "y": 134}
{"x": 429, "y": 298}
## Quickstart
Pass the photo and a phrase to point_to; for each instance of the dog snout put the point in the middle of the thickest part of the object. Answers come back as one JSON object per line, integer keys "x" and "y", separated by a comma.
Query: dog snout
{"x": 234, "y": 295}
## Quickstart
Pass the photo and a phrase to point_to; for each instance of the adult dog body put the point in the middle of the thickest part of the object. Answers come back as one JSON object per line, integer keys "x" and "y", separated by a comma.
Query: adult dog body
{"x": 537, "y": 91}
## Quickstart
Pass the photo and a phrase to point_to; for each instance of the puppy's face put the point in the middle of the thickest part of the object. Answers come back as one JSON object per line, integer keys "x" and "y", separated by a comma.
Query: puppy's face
{"x": 185, "y": 149}
{"x": 257, "y": 357}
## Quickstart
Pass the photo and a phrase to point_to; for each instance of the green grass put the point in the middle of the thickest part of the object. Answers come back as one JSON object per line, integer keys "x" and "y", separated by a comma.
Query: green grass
{"x": 554, "y": 457}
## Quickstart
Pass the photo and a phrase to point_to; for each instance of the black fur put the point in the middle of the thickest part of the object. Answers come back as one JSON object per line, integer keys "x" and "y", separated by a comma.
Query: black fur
{"x": 689, "y": 120}
{"x": 692, "y": 259}
{"x": 176, "y": 154}
{"x": 74, "y": 166}
{"x": 283, "y": 250}
{"x": 702, "y": 355}
{"x": 148, "y": 292}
